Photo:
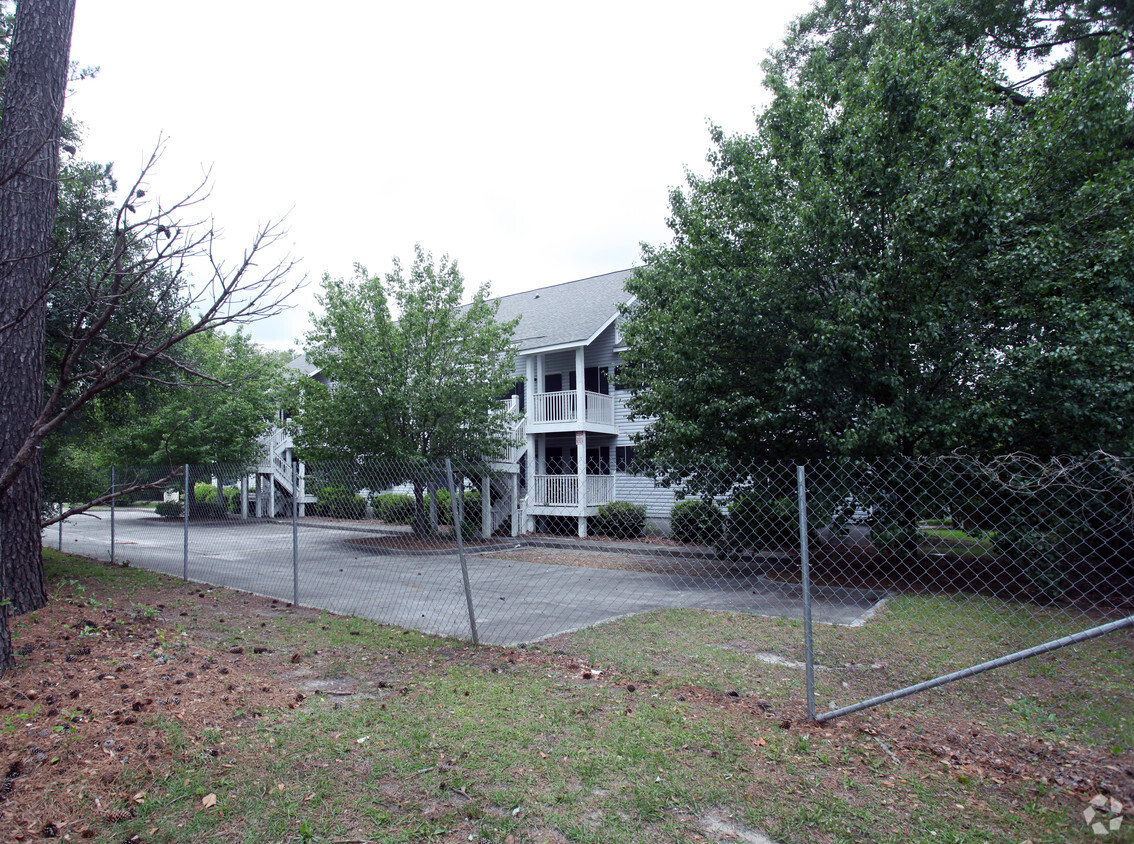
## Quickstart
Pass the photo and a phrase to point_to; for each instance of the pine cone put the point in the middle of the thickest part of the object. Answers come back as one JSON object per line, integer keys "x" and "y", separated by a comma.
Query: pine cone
{"x": 117, "y": 815}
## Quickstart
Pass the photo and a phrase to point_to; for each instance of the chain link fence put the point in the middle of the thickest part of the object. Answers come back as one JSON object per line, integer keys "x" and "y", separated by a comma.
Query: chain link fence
{"x": 865, "y": 578}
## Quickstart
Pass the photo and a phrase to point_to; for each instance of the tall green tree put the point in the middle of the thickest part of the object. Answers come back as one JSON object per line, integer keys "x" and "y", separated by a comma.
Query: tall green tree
{"x": 911, "y": 253}
{"x": 407, "y": 375}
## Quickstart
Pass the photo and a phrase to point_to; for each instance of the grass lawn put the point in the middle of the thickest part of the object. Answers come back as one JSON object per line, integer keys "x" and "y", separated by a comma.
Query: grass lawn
{"x": 184, "y": 713}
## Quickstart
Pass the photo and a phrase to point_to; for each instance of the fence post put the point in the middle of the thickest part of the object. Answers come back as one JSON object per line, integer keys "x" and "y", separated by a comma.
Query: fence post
{"x": 185, "y": 513}
{"x": 295, "y": 533}
{"x": 801, "y": 484}
{"x": 61, "y": 526}
{"x": 461, "y": 550}
{"x": 112, "y": 482}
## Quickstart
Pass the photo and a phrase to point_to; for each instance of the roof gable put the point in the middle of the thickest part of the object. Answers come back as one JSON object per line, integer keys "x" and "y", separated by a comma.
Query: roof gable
{"x": 567, "y": 314}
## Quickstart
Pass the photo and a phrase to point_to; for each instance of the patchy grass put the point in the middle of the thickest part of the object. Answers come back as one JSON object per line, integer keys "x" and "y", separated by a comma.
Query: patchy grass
{"x": 671, "y": 726}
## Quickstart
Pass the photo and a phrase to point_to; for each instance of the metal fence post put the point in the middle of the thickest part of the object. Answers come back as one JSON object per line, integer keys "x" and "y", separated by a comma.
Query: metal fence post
{"x": 461, "y": 550}
{"x": 185, "y": 512}
{"x": 112, "y": 482}
{"x": 801, "y": 484}
{"x": 61, "y": 526}
{"x": 295, "y": 533}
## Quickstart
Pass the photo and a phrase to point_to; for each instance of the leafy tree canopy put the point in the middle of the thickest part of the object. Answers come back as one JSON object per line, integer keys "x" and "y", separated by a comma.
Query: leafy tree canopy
{"x": 406, "y": 371}
{"x": 913, "y": 252}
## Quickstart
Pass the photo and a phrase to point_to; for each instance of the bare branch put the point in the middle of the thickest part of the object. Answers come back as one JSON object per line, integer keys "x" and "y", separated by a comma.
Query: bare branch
{"x": 144, "y": 267}
{"x": 111, "y": 494}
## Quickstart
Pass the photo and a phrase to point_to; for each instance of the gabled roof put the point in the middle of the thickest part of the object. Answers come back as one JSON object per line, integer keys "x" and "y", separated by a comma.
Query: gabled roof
{"x": 559, "y": 316}
{"x": 564, "y": 315}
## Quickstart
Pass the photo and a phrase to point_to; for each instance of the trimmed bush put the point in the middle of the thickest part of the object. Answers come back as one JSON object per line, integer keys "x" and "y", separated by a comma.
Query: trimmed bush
{"x": 169, "y": 510}
{"x": 698, "y": 521}
{"x": 395, "y": 508}
{"x": 445, "y": 508}
{"x": 619, "y": 520}
{"x": 206, "y": 494}
{"x": 758, "y": 522}
{"x": 333, "y": 502}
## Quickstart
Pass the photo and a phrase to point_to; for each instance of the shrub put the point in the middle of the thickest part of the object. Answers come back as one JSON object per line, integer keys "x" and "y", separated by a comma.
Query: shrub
{"x": 169, "y": 510}
{"x": 445, "y": 508}
{"x": 333, "y": 502}
{"x": 696, "y": 520}
{"x": 395, "y": 508}
{"x": 206, "y": 494}
{"x": 756, "y": 521}
{"x": 620, "y": 520}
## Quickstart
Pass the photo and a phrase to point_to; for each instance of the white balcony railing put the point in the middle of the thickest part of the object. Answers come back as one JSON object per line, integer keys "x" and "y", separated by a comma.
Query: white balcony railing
{"x": 562, "y": 406}
{"x": 600, "y": 489}
{"x": 516, "y": 429}
{"x": 557, "y": 490}
{"x": 563, "y": 490}
{"x": 600, "y": 409}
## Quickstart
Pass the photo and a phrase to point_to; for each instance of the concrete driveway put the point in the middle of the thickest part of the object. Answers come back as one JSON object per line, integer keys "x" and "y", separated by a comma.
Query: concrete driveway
{"x": 513, "y": 602}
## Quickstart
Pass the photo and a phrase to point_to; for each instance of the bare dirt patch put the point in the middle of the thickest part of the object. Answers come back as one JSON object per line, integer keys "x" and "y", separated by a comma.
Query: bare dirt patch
{"x": 94, "y": 678}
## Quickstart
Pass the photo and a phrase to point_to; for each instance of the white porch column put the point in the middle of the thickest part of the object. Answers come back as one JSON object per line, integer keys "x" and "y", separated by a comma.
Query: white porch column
{"x": 302, "y": 491}
{"x": 581, "y": 437}
{"x": 485, "y": 507}
{"x": 530, "y": 390}
{"x": 580, "y": 388}
{"x": 581, "y": 466}
{"x": 517, "y": 512}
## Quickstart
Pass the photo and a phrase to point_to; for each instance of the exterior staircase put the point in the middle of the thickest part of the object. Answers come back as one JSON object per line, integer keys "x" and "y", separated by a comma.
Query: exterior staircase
{"x": 275, "y": 488}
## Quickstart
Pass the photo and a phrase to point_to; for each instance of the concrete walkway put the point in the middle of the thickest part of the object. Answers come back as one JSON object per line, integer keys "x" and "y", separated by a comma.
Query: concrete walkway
{"x": 513, "y": 602}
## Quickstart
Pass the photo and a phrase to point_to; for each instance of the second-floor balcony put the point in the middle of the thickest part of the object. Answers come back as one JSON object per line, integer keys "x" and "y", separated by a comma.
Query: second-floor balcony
{"x": 560, "y": 411}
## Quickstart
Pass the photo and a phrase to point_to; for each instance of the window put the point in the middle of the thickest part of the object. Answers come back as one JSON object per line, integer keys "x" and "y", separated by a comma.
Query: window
{"x": 624, "y": 458}
{"x": 596, "y": 379}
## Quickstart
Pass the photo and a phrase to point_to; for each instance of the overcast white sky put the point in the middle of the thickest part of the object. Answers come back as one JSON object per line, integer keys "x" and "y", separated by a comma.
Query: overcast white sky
{"x": 535, "y": 143}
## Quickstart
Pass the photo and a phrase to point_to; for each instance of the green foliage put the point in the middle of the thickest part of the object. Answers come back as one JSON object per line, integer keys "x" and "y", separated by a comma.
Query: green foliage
{"x": 170, "y": 510}
{"x": 338, "y": 503}
{"x": 395, "y": 508}
{"x": 470, "y": 524}
{"x": 424, "y": 384}
{"x": 405, "y": 372}
{"x": 620, "y": 520}
{"x": 758, "y": 521}
{"x": 905, "y": 256}
{"x": 205, "y": 493}
{"x": 697, "y": 520}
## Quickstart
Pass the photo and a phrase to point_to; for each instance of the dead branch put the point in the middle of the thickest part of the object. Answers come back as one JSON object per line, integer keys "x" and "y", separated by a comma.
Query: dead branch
{"x": 145, "y": 265}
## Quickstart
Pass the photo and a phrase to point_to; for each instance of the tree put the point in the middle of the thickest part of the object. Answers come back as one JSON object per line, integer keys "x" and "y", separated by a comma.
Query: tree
{"x": 118, "y": 294}
{"x": 409, "y": 387}
{"x": 30, "y": 126}
{"x": 911, "y": 253}
{"x": 212, "y": 424}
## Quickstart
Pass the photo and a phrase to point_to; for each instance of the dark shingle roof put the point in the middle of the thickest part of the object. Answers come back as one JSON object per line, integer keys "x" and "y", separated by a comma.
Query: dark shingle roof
{"x": 564, "y": 314}
{"x": 561, "y": 315}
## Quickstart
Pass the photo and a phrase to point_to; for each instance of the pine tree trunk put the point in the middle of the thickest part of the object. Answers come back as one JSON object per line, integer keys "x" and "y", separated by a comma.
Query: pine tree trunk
{"x": 29, "y": 162}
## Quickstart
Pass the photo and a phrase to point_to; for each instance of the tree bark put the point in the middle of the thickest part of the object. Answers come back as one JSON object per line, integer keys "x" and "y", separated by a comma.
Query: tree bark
{"x": 29, "y": 162}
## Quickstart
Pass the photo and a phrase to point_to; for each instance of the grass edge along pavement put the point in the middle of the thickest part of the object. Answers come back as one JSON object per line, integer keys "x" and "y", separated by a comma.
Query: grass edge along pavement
{"x": 404, "y": 737}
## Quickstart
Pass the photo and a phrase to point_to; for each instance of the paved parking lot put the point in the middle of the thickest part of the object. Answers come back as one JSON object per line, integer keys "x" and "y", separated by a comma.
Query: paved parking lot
{"x": 512, "y": 601}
